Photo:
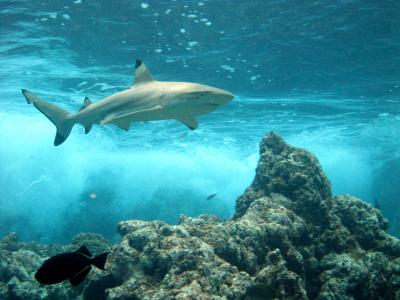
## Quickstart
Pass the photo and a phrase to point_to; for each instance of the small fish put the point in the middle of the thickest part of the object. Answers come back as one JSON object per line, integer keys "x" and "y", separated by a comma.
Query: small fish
{"x": 212, "y": 196}
{"x": 72, "y": 266}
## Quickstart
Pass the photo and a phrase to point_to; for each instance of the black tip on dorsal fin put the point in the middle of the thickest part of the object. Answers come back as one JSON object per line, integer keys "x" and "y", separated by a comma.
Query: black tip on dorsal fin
{"x": 85, "y": 251}
{"x": 142, "y": 74}
{"x": 138, "y": 63}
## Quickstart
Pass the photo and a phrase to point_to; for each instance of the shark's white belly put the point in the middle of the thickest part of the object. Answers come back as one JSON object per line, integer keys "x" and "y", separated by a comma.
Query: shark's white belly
{"x": 150, "y": 102}
{"x": 160, "y": 113}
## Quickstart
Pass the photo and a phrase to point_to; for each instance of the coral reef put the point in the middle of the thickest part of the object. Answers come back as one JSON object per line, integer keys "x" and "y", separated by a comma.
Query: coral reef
{"x": 289, "y": 239}
{"x": 387, "y": 192}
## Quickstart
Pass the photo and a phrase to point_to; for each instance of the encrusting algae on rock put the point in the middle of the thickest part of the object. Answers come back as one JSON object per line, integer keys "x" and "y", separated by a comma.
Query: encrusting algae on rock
{"x": 289, "y": 239}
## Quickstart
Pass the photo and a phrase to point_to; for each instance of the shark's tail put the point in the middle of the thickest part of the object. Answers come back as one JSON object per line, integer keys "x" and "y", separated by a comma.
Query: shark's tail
{"x": 61, "y": 118}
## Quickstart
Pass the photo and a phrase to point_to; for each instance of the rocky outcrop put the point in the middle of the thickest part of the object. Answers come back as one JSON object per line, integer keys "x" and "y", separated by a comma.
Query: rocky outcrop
{"x": 289, "y": 239}
{"x": 291, "y": 172}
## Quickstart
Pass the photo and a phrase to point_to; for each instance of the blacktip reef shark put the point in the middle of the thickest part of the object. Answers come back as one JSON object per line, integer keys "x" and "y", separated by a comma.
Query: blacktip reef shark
{"x": 146, "y": 100}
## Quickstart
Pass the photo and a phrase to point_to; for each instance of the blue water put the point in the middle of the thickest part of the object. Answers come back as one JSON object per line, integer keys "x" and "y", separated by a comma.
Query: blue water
{"x": 323, "y": 74}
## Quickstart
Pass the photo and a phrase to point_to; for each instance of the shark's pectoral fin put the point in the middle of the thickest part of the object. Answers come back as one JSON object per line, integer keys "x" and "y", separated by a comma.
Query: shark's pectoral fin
{"x": 123, "y": 124}
{"x": 189, "y": 121}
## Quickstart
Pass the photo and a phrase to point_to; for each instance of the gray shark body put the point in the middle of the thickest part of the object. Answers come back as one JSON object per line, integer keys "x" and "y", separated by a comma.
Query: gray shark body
{"x": 146, "y": 100}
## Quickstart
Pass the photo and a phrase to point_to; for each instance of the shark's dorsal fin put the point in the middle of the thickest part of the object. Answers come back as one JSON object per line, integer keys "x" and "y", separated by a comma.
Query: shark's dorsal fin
{"x": 142, "y": 74}
{"x": 86, "y": 103}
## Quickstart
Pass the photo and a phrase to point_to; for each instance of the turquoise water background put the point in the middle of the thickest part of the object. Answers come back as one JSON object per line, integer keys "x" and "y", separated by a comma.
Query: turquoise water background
{"x": 323, "y": 74}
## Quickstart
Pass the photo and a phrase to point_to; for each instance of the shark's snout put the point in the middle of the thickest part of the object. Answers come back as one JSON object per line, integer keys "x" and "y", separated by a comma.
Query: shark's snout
{"x": 226, "y": 96}
{"x": 220, "y": 97}
{"x": 206, "y": 95}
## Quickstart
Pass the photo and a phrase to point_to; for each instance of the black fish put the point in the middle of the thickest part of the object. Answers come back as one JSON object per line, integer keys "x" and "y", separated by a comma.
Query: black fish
{"x": 72, "y": 266}
{"x": 212, "y": 196}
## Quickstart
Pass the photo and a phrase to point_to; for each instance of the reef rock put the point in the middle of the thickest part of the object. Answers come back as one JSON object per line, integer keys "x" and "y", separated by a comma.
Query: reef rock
{"x": 289, "y": 239}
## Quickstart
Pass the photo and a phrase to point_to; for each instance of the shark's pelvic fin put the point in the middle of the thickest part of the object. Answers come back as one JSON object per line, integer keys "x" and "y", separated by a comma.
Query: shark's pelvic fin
{"x": 61, "y": 118}
{"x": 85, "y": 104}
{"x": 189, "y": 121}
{"x": 88, "y": 128}
{"x": 142, "y": 74}
{"x": 122, "y": 124}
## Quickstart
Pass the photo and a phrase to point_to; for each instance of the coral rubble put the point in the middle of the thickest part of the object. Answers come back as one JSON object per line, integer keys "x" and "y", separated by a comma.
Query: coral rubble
{"x": 289, "y": 239}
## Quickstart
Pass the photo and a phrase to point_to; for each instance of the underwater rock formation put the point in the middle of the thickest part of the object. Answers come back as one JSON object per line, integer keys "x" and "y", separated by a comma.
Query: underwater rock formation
{"x": 289, "y": 239}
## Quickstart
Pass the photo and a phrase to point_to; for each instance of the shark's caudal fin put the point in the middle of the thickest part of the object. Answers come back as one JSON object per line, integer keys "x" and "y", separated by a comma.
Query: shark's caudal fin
{"x": 60, "y": 117}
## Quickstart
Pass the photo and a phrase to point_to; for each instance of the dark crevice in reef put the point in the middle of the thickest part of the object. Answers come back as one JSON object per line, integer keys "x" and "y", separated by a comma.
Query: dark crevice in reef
{"x": 97, "y": 289}
{"x": 289, "y": 239}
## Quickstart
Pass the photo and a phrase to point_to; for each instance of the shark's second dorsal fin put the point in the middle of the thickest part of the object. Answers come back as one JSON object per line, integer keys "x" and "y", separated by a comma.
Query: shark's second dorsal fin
{"x": 142, "y": 74}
